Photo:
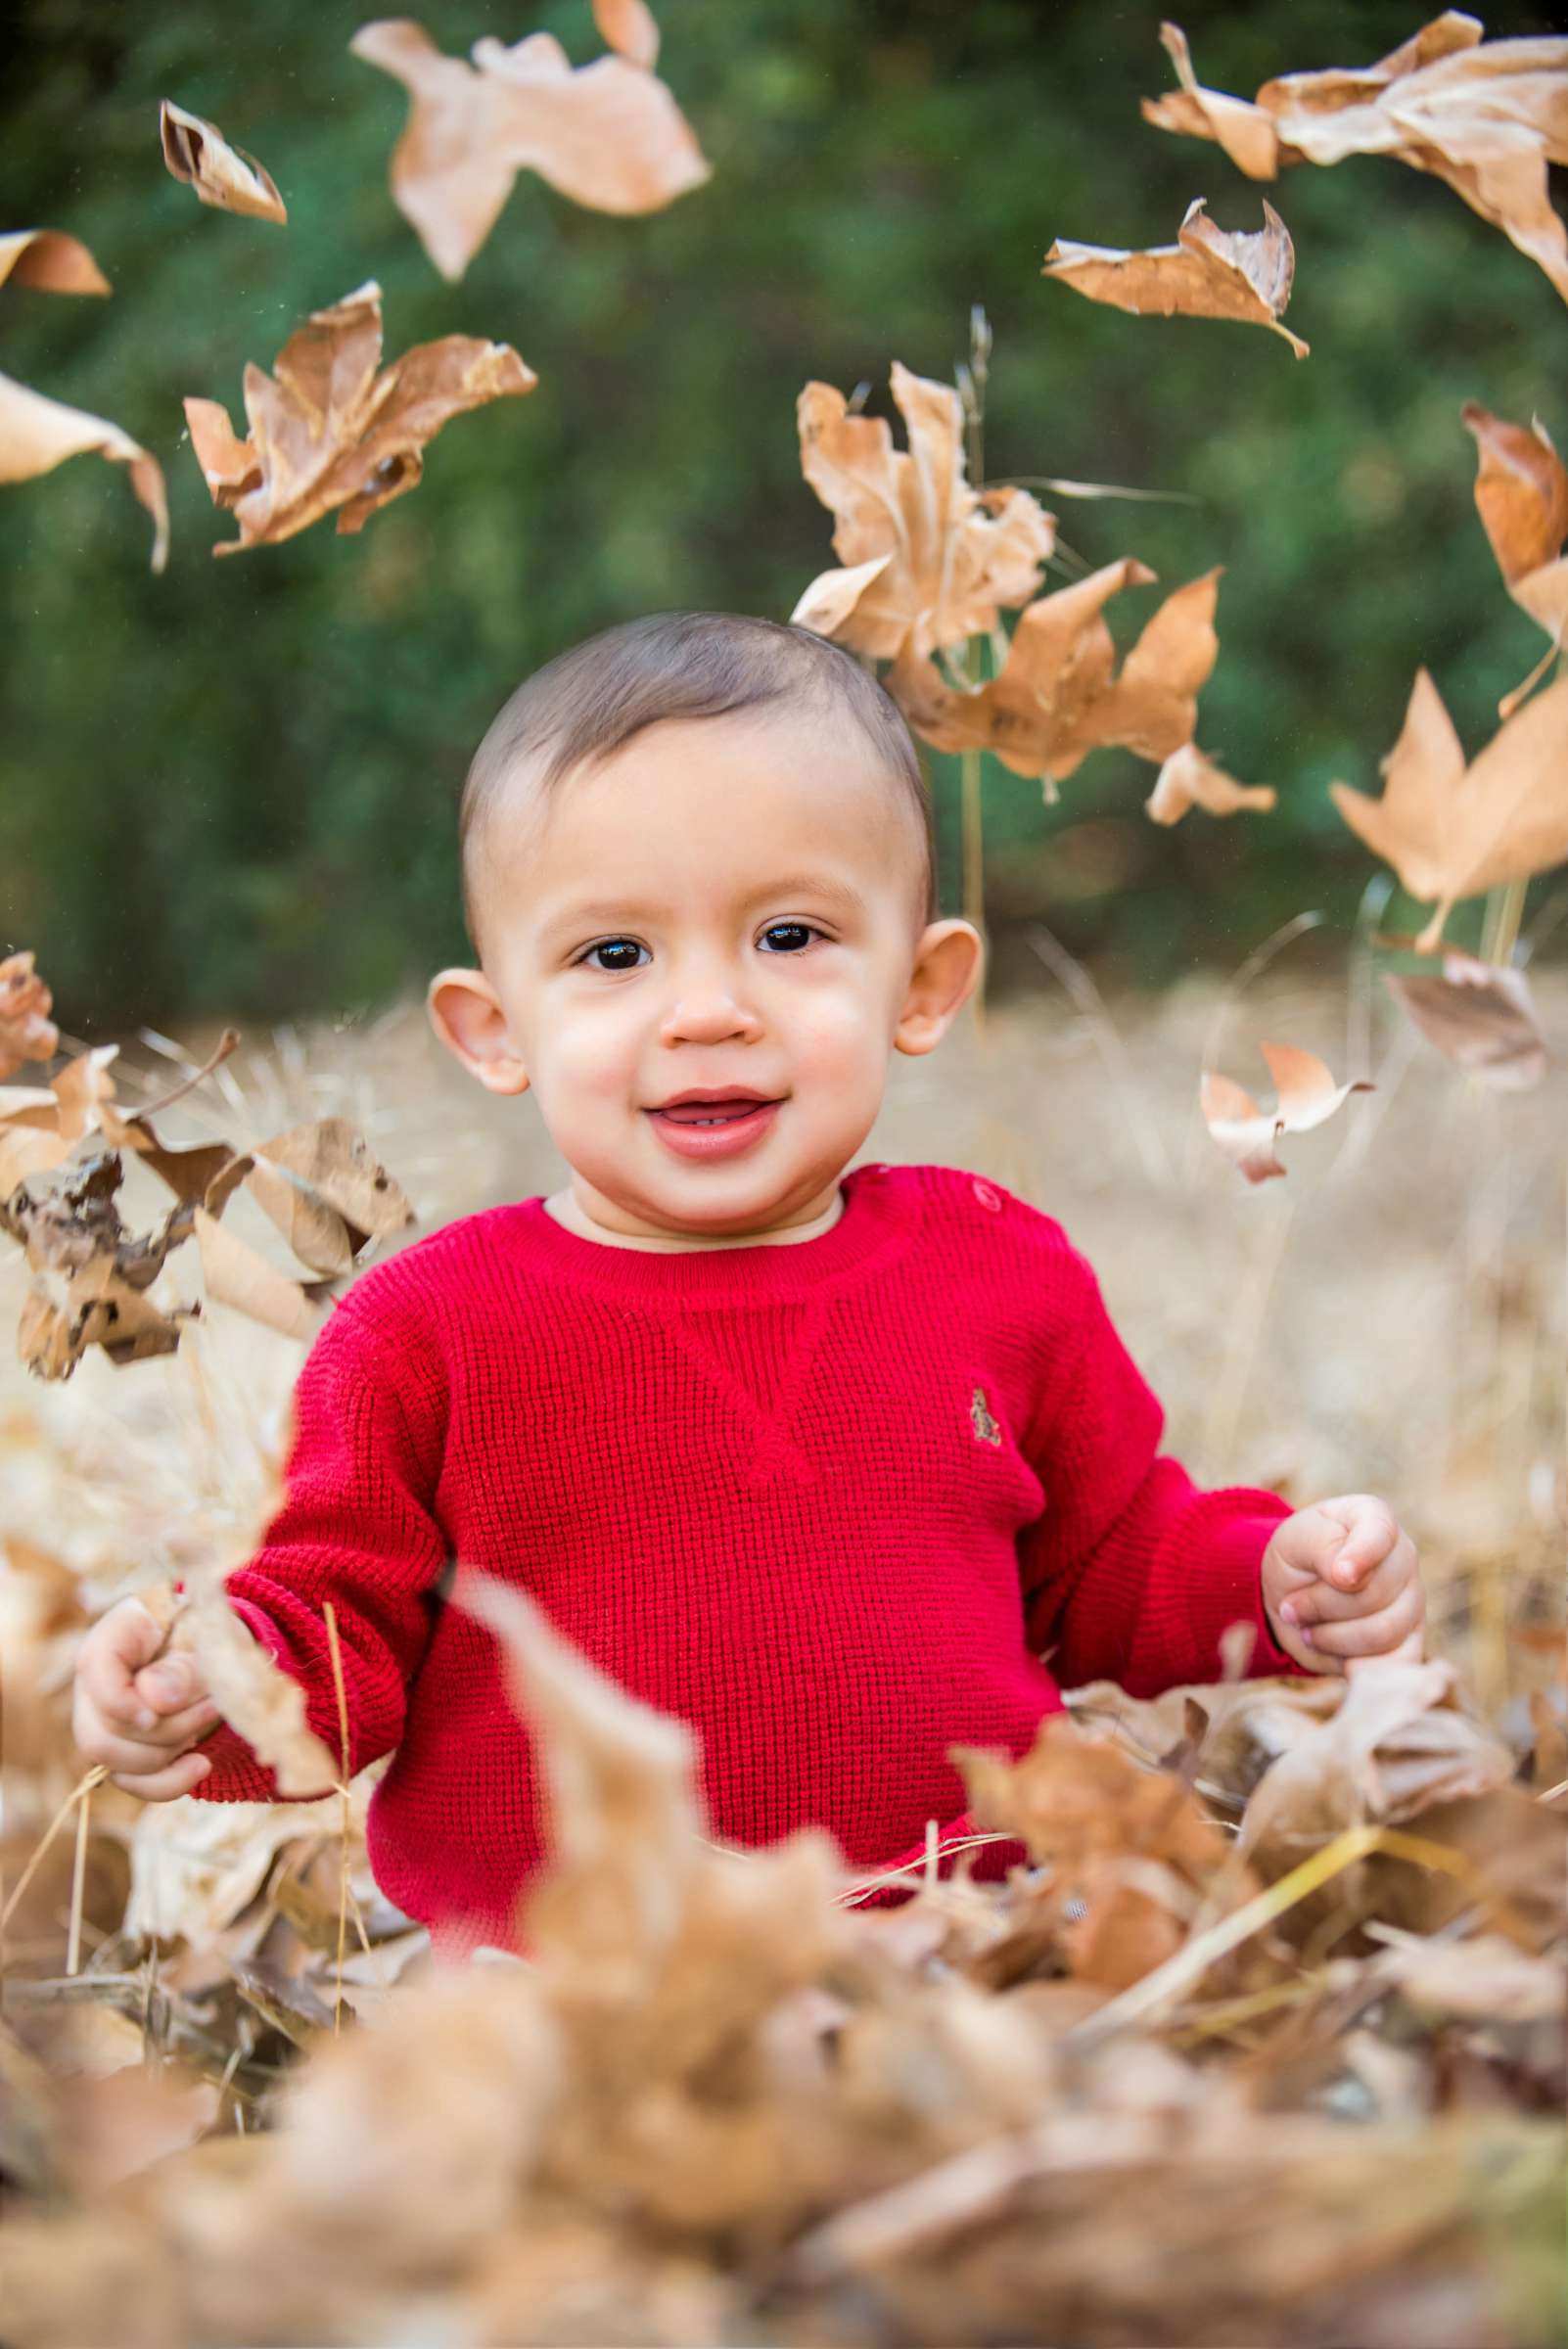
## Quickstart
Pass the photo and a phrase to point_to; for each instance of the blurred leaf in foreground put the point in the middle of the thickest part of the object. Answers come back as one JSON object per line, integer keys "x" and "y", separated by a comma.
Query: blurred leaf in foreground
{"x": 608, "y": 135}
{"x": 1308, "y": 1095}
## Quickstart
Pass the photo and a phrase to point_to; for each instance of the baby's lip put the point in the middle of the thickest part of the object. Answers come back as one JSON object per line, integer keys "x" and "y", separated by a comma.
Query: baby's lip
{"x": 711, "y": 1097}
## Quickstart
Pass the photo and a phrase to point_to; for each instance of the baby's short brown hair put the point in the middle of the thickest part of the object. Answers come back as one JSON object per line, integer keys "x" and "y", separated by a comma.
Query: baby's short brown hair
{"x": 588, "y": 702}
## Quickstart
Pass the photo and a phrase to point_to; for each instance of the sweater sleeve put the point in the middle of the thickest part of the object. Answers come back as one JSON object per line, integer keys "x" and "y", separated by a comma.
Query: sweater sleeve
{"x": 355, "y": 1526}
{"x": 1131, "y": 1574}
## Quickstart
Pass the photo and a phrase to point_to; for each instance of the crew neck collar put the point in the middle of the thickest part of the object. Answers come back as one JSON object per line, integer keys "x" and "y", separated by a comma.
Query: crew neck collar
{"x": 870, "y": 1226}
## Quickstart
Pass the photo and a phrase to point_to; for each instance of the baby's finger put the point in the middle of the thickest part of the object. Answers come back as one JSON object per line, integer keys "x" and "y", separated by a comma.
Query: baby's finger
{"x": 136, "y": 1757}
{"x": 114, "y": 1652}
{"x": 1371, "y": 1531}
{"x": 1370, "y": 1634}
{"x": 166, "y": 1785}
{"x": 1321, "y": 1602}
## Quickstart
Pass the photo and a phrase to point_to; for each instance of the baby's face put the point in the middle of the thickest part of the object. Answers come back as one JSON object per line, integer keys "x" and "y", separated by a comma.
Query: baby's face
{"x": 723, "y": 903}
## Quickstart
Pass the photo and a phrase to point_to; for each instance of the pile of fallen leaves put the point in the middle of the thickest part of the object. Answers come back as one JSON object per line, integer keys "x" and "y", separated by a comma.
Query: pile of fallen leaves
{"x": 1268, "y": 2042}
{"x": 1265, "y": 2044}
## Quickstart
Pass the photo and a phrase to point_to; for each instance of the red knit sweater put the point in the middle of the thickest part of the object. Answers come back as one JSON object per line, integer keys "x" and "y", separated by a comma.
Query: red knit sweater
{"x": 827, "y": 1501}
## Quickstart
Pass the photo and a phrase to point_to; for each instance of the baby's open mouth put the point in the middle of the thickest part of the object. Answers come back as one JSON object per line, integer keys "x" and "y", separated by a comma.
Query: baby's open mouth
{"x": 710, "y": 1113}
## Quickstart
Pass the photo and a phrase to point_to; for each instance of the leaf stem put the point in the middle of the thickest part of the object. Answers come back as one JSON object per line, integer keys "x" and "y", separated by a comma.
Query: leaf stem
{"x": 1499, "y": 930}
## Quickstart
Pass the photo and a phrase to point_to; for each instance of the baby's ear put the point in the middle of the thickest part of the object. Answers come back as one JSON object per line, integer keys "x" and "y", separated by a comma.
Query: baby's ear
{"x": 466, "y": 1013}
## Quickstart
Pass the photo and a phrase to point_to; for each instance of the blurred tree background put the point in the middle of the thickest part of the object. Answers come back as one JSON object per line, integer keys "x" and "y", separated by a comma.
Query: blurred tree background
{"x": 232, "y": 789}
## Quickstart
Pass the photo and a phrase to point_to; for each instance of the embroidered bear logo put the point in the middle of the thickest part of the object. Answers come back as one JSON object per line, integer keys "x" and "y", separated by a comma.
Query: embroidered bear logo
{"x": 987, "y": 1430}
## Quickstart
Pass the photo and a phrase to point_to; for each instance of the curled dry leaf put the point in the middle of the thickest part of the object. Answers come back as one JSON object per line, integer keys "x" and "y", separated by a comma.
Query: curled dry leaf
{"x": 1481, "y": 1015}
{"x": 927, "y": 560}
{"x": 37, "y": 433}
{"x": 1487, "y": 117}
{"x": 320, "y": 1184}
{"x": 1452, "y": 831}
{"x": 199, "y": 153}
{"x": 330, "y": 432}
{"x": 1190, "y": 779}
{"x": 1307, "y": 1095}
{"x": 26, "y": 1032}
{"x": 1060, "y": 695}
{"x": 264, "y": 1705}
{"x": 90, "y": 1276}
{"x": 1206, "y": 273}
{"x": 628, "y": 25}
{"x": 50, "y": 260}
{"x": 608, "y": 135}
{"x": 1521, "y": 494}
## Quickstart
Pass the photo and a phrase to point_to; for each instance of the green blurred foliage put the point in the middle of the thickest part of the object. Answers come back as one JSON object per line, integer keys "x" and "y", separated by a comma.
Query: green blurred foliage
{"x": 233, "y": 788}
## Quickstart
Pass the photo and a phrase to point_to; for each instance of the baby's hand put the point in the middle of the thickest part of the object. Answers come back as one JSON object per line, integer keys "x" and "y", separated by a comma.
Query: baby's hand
{"x": 136, "y": 1715}
{"x": 1341, "y": 1583}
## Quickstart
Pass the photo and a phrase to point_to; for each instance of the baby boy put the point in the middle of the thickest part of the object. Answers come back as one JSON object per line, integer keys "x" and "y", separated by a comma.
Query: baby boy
{"x": 843, "y": 1468}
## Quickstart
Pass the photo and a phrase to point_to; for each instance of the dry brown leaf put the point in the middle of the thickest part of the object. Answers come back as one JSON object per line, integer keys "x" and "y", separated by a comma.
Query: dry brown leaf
{"x": 199, "y": 153}
{"x": 1451, "y": 831}
{"x": 1487, "y": 117}
{"x": 1059, "y": 695}
{"x": 1481, "y": 1015}
{"x": 1307, "y": 1095}
{"x": 628, "y": 25}
{"x": 1190, "y": 779}
{"x": 234, "y": 1274}
{"x": 26, "y": 1032}
{"x": 264, "y": 1705}
{"x": 37, "y": 433}
{"x": 1521, "y": 494}
{"x": 927, "y": 560}
{"x": 1206, "y": 273}
{"x": 330, "y": 432}
{"x": 1396, "y": 1747}
{"x": 51, "y": 261}
{"x": 327, "y": 1192}
{"x": 608, "y": 135}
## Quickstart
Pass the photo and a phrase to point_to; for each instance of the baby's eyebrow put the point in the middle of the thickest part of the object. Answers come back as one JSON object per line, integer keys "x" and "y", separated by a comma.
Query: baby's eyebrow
{"x": 816, "y": 885}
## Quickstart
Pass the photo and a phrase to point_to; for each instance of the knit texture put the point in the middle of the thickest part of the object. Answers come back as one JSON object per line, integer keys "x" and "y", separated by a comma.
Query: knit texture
{"x": 840, "y": 1504}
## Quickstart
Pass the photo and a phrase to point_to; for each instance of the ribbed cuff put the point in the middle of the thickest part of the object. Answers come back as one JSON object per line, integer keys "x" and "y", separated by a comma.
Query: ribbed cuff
{"x": 1223, "y": 1585}
{"x": 236, "y": 1775}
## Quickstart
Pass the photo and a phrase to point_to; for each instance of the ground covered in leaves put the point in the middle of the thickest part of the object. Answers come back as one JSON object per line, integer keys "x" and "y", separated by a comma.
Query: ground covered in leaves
{"x": 1267, "y": 2043}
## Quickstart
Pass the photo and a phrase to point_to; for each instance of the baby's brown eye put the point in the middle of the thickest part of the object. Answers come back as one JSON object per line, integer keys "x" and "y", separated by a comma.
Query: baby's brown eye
{"x": 802, "y": 929}
{"x": 612, "y": 945}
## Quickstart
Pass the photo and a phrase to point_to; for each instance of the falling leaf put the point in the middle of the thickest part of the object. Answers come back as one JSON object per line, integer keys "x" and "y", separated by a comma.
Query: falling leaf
{"x": 327, "y": 1192}
{"x": 1521, "y": 494}
{"x": 199, "y": 153}
{"x": 608, "y": 135}
{"x": 51, "y": 261}
{"x": 1206, "y": 273}
{"x": 927, "y": 560}
{"x": 1307, "y": 1095}
{"x": 1189, "y": 779}
{"x": 26, "y": 1032}
{"x": 628, "y": 26}
{"x": 1059, "y": 694}
{"x": 330, "y": 432}
{"x": 37, "y": 433}
{"x": 1481, "y": 1015}
{"x": 90, "y": 1276}
{"x": 1451, "y": 832}
{"x": 1484, "y": 116}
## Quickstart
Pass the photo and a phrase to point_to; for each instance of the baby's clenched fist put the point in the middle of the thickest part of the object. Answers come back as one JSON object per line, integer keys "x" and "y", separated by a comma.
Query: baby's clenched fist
{"x": 139, "y": 1712}
{"x": 1342, "y": 1584}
